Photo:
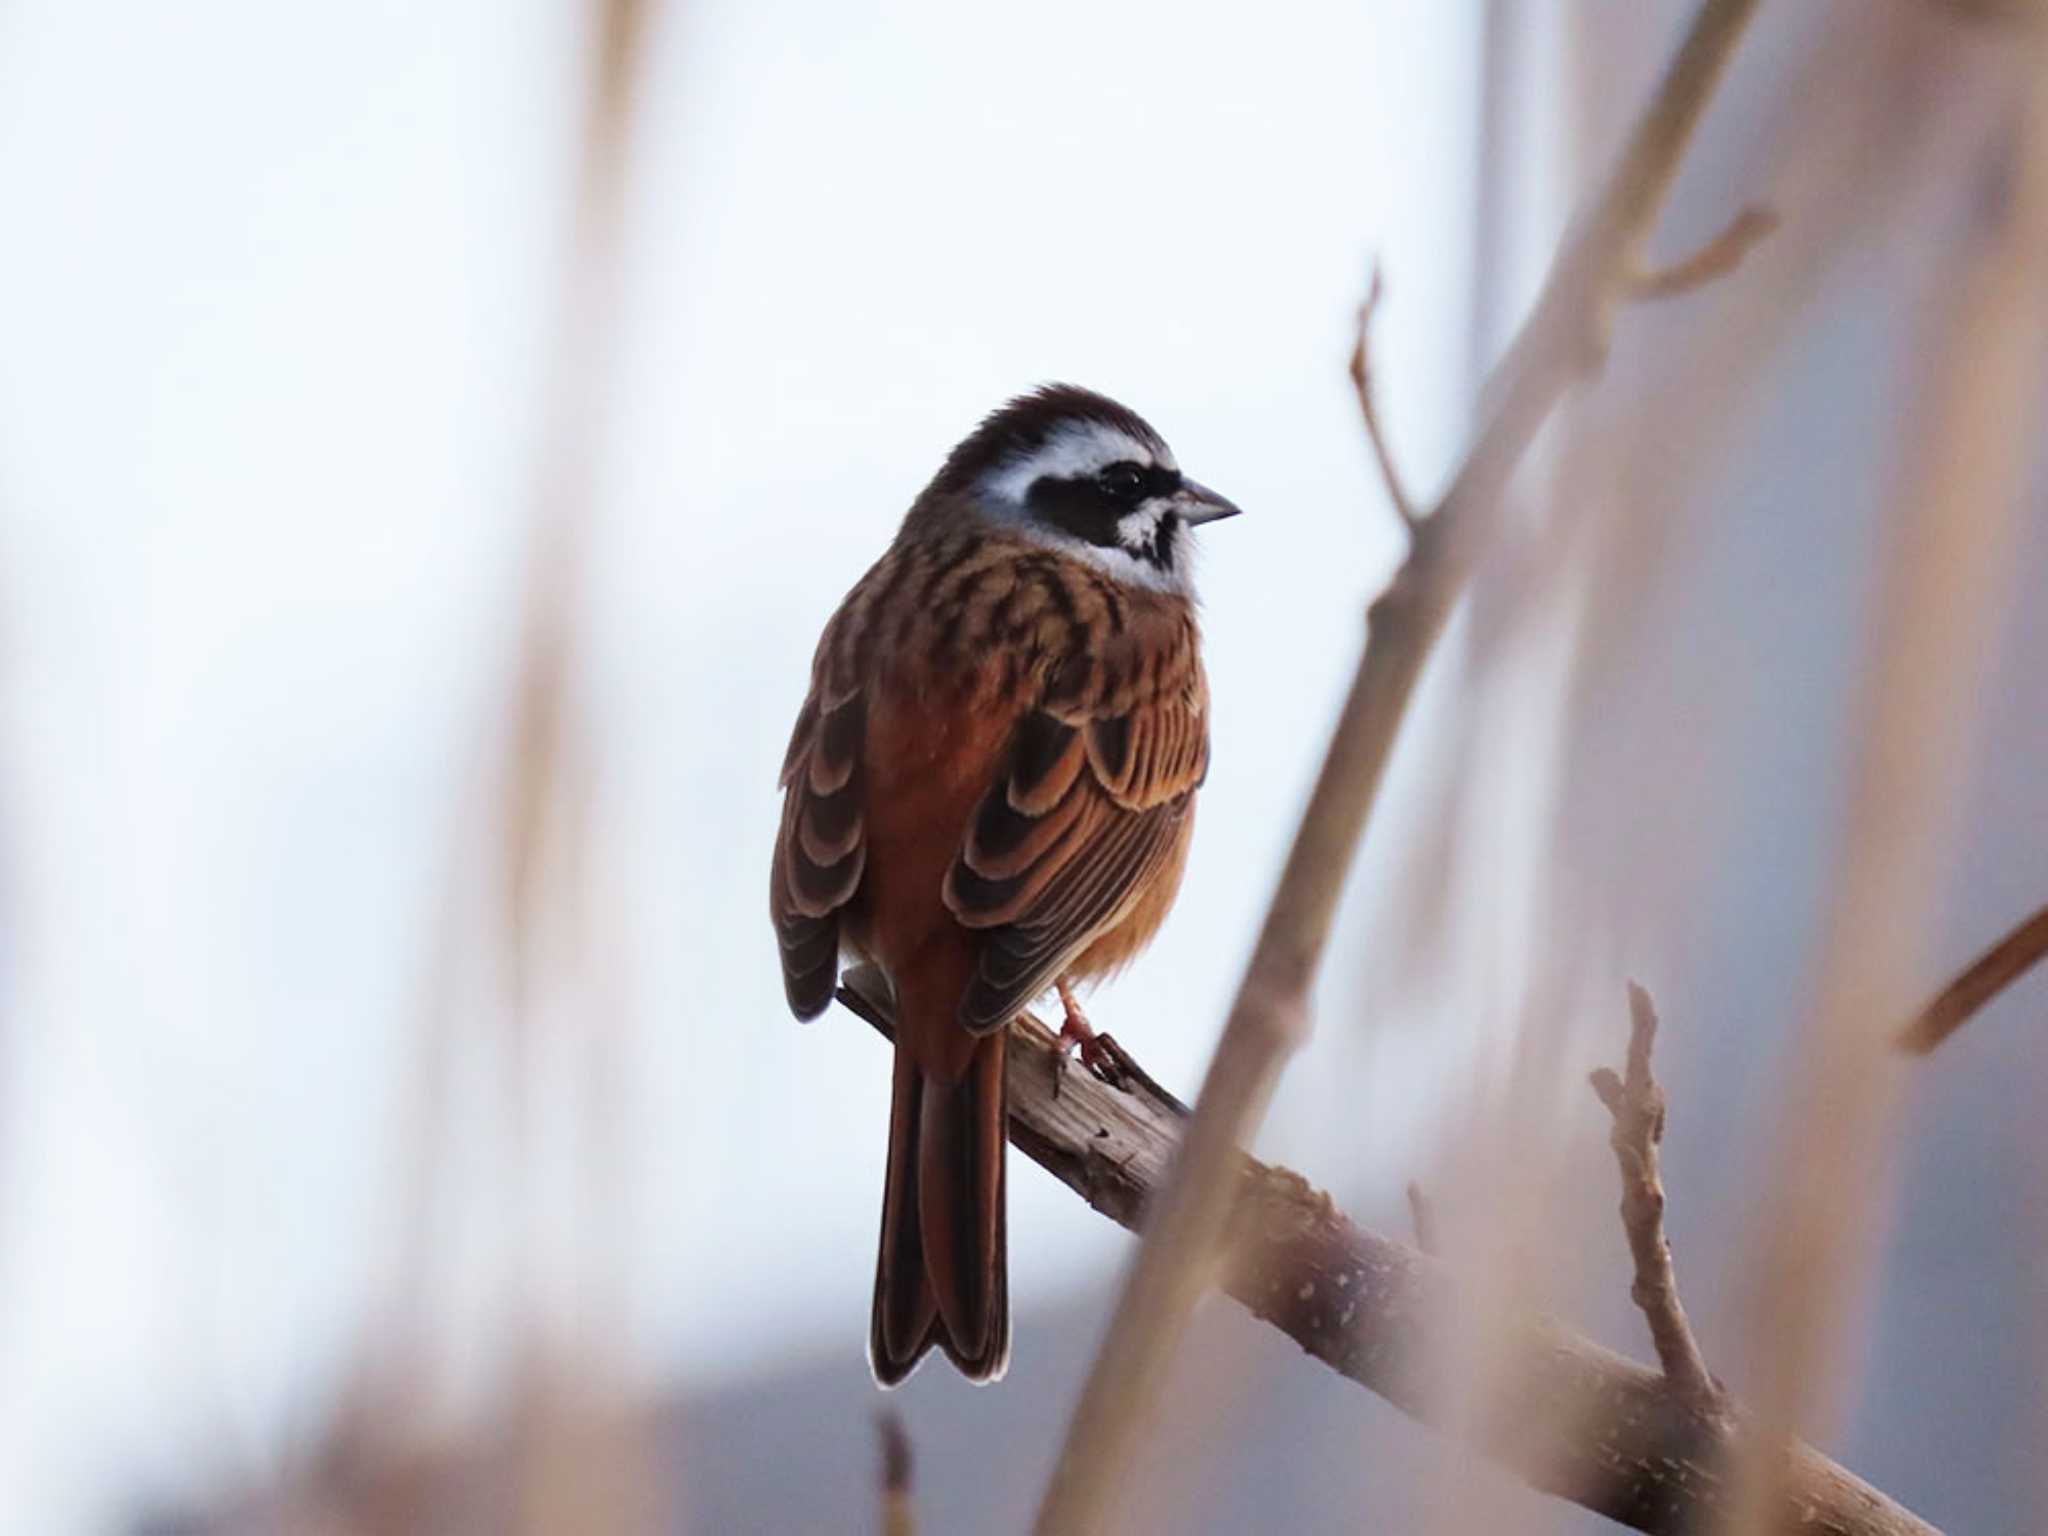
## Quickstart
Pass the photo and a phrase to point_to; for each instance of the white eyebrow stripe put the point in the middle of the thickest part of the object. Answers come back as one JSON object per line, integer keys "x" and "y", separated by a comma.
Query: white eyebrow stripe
{"x": 1074, "y": 452}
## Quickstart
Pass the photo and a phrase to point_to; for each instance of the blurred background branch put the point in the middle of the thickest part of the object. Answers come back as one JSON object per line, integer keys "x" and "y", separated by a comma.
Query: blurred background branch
{"x": 1988, "y": 975}
{"x": 899, "y": 1515}
{"x": 1563, "y": 340}
{"x": 576, "y": 1456}
{"x": 1953, "y": 524}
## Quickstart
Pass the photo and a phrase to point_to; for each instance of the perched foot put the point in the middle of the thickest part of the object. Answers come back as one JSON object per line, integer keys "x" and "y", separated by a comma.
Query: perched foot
{"x": 1101, "y": 1055}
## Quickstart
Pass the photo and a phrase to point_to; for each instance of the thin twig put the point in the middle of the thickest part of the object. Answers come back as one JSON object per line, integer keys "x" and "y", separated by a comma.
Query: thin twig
{"x": 1582, "y": 1422}
{"x": 1988, "y": 975}
{"x": 1717, "y": 258}
{"x": 899, "y": 1517}
{"x": 1423, "y": 1219}
{"x": 1562, "y": 340}
{"x": 1368, "y": 408}
{"x": 1636, "y": 1105}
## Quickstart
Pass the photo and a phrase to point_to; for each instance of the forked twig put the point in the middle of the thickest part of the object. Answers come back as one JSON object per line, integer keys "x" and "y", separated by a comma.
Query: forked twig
{"x": 1635, "y": 1103}
{"x": 1368, "y": 408}
{"x": 1562, "y": 340}
{"x": 1717, "y": 258}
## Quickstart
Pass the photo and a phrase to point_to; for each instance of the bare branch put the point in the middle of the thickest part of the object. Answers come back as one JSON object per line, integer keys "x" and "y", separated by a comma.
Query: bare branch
{"x": 1717, "y": 258}
{"x": 1988, "y": 975}
{"x": 1361, "y": 383}
{"x": 1636, "y": 1104}
{"x": 1581, "y": 1422}
{"x": 1560, "y": 341}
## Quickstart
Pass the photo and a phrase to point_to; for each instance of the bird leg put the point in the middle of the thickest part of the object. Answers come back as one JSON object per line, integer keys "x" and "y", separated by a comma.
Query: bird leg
{"x": 1100, "y": 1054}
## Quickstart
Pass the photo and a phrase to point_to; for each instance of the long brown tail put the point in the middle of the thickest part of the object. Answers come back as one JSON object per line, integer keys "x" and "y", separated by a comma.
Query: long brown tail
{"x": 942, "y": 1275}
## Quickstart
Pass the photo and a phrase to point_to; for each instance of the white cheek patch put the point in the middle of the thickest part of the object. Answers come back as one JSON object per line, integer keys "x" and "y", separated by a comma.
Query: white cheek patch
{"x": 1073, "y": 453}
{"x": 1138, "y": 529}
{"x": 1134, "y": 570}
{"x": 1116, "y": 561}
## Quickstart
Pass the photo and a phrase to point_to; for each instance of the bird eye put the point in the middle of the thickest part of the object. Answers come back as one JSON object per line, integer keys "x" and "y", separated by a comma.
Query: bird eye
{"x": 1124, "y": 481}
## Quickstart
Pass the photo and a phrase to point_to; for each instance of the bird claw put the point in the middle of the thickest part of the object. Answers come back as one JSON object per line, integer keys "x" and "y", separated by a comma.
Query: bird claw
{"x": 1105, "y": 1060}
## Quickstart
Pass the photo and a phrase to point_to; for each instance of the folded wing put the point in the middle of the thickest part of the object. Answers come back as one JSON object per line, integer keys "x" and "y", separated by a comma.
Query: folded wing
{"x": 821, "y": 850}
{"x": 1091, "y": 803}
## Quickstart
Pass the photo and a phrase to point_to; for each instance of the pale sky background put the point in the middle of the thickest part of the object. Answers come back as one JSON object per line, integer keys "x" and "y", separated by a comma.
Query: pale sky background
{"x": 276, "y": 290}
{"x": 277, "y": 293}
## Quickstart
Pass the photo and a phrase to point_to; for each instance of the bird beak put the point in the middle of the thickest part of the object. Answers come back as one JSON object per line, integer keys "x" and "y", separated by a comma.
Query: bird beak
{"x": 1197, "y": 504}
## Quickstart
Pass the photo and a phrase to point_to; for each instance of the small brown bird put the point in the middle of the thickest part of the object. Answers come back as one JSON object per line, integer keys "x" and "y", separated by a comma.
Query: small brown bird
{"x": 989, "y": 792}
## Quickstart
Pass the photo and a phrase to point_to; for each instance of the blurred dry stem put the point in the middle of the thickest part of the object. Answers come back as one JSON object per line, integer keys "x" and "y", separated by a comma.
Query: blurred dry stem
{"x": 899, "y": 1517}
{"x": 545, "y": 831}
{"x": 1949, "y": 536}
{"x": 1423, "y": 1219}
{"x": 2015, "y": 13}
{"x": 1562, "y": 341}
{"x": 538, "y": 810}
{"x": 1635, "y": 1102}
{"x": 580, "y": 1466}
{"x": 1577, "y": 1420}
{"x": 577, "y": 1464}
{"x": 1983, "y": 979}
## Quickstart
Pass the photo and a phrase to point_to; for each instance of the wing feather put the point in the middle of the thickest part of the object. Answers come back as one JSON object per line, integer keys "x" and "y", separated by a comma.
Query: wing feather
{"x": 821, "y": 850}
{"x": 1091, "y": 804}
{"x": 1019, "y": 960}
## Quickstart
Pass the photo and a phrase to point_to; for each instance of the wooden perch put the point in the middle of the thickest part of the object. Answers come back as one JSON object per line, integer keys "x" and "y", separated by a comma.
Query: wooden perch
{"x": 1577, "y": 1420}
{"x": 1599, "y": 268}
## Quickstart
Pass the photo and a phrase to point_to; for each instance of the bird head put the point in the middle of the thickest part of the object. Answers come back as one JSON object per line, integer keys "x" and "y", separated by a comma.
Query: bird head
{"x": 1082, "y": 474}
